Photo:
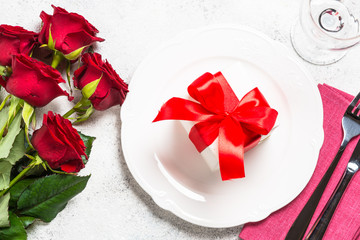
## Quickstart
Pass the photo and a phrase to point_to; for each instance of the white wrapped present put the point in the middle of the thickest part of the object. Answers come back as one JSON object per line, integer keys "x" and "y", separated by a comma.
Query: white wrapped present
{"x": 236, "y": 72}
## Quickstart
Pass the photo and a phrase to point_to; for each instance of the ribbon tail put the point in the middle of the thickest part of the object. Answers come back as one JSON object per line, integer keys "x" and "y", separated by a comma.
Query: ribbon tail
{"x": 231, "y": 150}
{"x": 203, "y": 134}
{"x": 182, "y": 109}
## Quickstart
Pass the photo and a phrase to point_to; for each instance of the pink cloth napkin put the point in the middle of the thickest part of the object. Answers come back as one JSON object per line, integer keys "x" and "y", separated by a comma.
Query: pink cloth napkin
{"x": 346, "y": 219}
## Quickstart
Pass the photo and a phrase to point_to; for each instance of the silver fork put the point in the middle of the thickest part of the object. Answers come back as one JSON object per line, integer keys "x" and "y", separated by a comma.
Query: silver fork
{"x": 322, "y": 222}
{"x": 351, "y": 129}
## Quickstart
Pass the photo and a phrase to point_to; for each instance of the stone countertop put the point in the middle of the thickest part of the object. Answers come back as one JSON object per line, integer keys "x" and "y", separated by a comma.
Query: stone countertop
{"x": 113, "y": 205}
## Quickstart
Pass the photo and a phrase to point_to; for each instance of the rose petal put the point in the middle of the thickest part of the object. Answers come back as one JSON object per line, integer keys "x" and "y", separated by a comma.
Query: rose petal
{"x": 58, "y": 143}
{"x": 69, "y": 31}
{"x": 34, "y": 81}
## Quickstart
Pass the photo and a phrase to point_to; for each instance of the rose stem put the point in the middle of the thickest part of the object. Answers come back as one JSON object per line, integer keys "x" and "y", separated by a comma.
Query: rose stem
{"x": 84, "y": 102}
{"x": 68, "y": 69}
{"x": 69, "y": 113}
{"x": 18, "y": 177}
{"x": 57, "y": 57}
{"x": 58, "y": 172}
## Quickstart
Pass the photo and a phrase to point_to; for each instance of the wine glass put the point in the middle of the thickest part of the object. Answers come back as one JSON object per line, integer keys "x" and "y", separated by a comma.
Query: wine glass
{"x": 326, "y": 29}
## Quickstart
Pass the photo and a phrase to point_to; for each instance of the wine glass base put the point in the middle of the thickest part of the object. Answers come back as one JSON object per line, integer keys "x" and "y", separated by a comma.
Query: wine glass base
{"x": 307, "y": 49}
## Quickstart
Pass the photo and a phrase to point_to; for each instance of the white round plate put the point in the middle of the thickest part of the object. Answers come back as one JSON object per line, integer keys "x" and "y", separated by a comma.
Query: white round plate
{"x": 167, "y": 165}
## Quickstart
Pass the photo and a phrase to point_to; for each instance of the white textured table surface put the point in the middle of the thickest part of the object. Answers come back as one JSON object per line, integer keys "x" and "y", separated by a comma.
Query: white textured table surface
{"x": 113, "y": 206}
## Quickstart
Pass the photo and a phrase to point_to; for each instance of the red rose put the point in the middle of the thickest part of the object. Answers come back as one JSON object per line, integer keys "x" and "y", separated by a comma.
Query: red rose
{"x": 15, "y": 40}
{"x": 59, "y": 144}
{"x": 69, "y": 31}
{"x": 33, "y": 81}
{"x": 111, "y": 89}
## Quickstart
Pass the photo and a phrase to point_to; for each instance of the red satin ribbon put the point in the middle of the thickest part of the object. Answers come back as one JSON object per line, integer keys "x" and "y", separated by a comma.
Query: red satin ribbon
{"x": 219, "y": 113}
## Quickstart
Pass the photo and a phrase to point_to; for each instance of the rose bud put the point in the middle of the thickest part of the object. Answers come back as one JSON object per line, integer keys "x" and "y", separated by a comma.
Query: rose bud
{"x": 59, "y": 144}
{"x": 69, "y": 33}
{"x": 15, "y": 40}
{"x": 99, "y": 82}
{"x": 33, "y": 81}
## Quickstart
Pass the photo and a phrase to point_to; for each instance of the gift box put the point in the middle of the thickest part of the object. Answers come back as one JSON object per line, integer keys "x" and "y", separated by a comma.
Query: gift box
{"x": 222, "y": 127}
{"x": 233, "y": 73}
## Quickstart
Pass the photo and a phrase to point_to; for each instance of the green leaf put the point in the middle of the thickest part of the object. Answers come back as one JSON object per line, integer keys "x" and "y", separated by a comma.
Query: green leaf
{"x": 4, "y": 102}
{"x": 28, "y": 117}
{"x": 18, "y": 149}
{"x": 47, "y": 196}
{"x": 16, "y": 231}
{"x": 88, "y": 141}
{"x": 14, "y": 106}
{"x": 26, "y": 220}
{"x": 3, "y": 116}
{"x": 6, "y": 142}
{"x": 18, "y": 189}
{"x": 74, "y": 54}
{"x": 4, "y": 214}
{"x": 89, "y": 89}
{"x": 5, "y": 170}
{"x": 27, "y": 113}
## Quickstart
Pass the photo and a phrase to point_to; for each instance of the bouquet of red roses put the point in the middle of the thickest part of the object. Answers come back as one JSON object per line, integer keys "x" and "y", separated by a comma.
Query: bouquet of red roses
{"x": 39, "y": 166}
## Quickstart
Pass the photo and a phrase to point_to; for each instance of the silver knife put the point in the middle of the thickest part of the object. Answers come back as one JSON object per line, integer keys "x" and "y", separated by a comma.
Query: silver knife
{"x": 318, "y": 230}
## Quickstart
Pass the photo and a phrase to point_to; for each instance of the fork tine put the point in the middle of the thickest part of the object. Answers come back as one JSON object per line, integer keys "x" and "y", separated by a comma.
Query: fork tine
{"x": 353, "y": 103}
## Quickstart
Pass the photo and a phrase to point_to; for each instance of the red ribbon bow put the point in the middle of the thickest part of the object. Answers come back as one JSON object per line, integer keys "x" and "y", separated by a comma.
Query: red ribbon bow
{"x": 219, "y": 113}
